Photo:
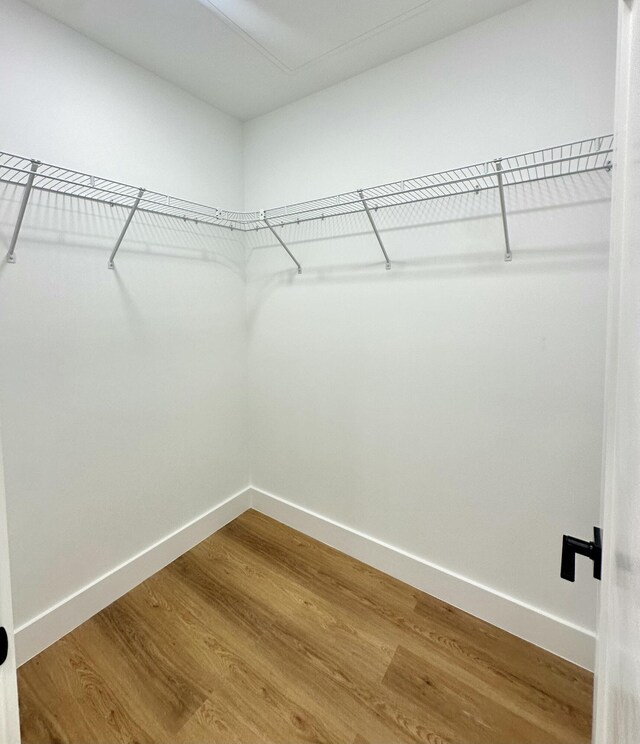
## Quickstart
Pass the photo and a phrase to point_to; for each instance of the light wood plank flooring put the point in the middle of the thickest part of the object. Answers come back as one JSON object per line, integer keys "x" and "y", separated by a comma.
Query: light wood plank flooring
{"x": 260, "y": 634}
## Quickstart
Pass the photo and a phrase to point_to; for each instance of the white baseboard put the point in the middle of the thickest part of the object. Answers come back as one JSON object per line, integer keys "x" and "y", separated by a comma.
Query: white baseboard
{"x": 41, "y": 631}
{"x": 531, "y": 623}
{"x": 523, "y": 620}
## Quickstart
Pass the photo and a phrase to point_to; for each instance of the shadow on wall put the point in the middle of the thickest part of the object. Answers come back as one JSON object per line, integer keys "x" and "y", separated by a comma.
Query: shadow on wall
{"x": 555, "y": 225}
{"x": 56, "y": 220}
{"x": 575, "y": 190}
{"x": 450, "y": 236}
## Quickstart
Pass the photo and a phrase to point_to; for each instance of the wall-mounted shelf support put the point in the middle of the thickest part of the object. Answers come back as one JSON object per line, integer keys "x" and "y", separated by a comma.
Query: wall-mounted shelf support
{"x": 280, "y": 240}
{"x": 505, "y": 226}
{"x": 375, "y": 230}
{"x": 570, "y": 160}
{"x": 23, "y": 208}
{"x": 111, "y": 263}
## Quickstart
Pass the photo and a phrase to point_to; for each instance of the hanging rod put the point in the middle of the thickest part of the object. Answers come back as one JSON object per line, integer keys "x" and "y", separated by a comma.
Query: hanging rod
{"x": 583, "y": 156}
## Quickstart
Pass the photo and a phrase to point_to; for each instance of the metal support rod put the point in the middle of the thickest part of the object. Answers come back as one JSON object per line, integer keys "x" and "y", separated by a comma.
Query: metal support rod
{"x": 375, "y": 230}
{"x": 23, "y": 208}
{"x": 111, "y": 264}
{"x": 281, "y": 241}
{"x": 505, "y": 226}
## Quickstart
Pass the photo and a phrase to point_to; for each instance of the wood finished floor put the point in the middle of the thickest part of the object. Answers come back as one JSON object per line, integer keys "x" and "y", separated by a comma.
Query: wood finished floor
{"x": 260, "y": 634}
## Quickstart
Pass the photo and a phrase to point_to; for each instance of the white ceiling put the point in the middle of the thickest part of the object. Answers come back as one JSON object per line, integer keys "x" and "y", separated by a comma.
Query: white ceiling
{"x": 248, "y": 57}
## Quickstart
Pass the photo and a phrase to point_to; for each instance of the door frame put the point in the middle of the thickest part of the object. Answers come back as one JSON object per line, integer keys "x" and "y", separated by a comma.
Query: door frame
{"x": 9, "y": 711}
{"x": 617, "y": 678}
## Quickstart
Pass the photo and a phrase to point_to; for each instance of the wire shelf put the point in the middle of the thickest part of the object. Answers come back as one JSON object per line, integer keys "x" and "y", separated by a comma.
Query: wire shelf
{"x": 563, "y": 160}
{"x": 571, "y": 159}
{"x": 17, "y": 170}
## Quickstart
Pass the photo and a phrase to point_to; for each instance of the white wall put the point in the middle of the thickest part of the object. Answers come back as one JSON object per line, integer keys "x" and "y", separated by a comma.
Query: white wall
{"x": 123, "y": 394}
{"x": 538, "y": 75}
{"x": 451, "y": 407}
{"x": 68, "y": 100}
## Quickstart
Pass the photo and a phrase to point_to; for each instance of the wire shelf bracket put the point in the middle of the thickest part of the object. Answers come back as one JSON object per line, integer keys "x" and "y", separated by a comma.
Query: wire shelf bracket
{"x": 280, "y": 240}
{"x": 111, "y": 263}
{"x": 570, "y": 160}
{"x": 23, "y": 208}
{"x": 375, "y": 230}
{"x": 505, "y": 225}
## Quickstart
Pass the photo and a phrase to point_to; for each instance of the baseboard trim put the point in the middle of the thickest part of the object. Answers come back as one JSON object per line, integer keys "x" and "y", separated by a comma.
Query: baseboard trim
{"x": 41, "y": 631}
{"x": 523, "y": 620}
{"x": 552, "y": 633}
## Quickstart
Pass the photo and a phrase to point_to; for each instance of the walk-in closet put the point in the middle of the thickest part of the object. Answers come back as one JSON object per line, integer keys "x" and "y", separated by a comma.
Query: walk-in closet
{"x": 318, "y": 371}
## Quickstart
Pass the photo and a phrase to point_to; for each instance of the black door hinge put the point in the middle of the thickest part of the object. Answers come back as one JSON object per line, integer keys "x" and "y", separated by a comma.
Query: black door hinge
{"x": 4, "y": 646}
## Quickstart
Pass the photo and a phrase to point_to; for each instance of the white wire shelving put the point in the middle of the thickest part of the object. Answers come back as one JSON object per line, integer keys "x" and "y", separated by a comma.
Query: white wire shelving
{"x": 570, "y": 159}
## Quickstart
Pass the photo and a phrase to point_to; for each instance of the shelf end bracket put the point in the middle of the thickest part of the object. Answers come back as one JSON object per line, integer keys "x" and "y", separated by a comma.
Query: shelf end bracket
{"x": 503, "y": 209}
{"x": 263, "y": 217}
{"x": 387, "y": 264}
{"x": 23, "y": 208}
{"x": 111, "y": 264}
